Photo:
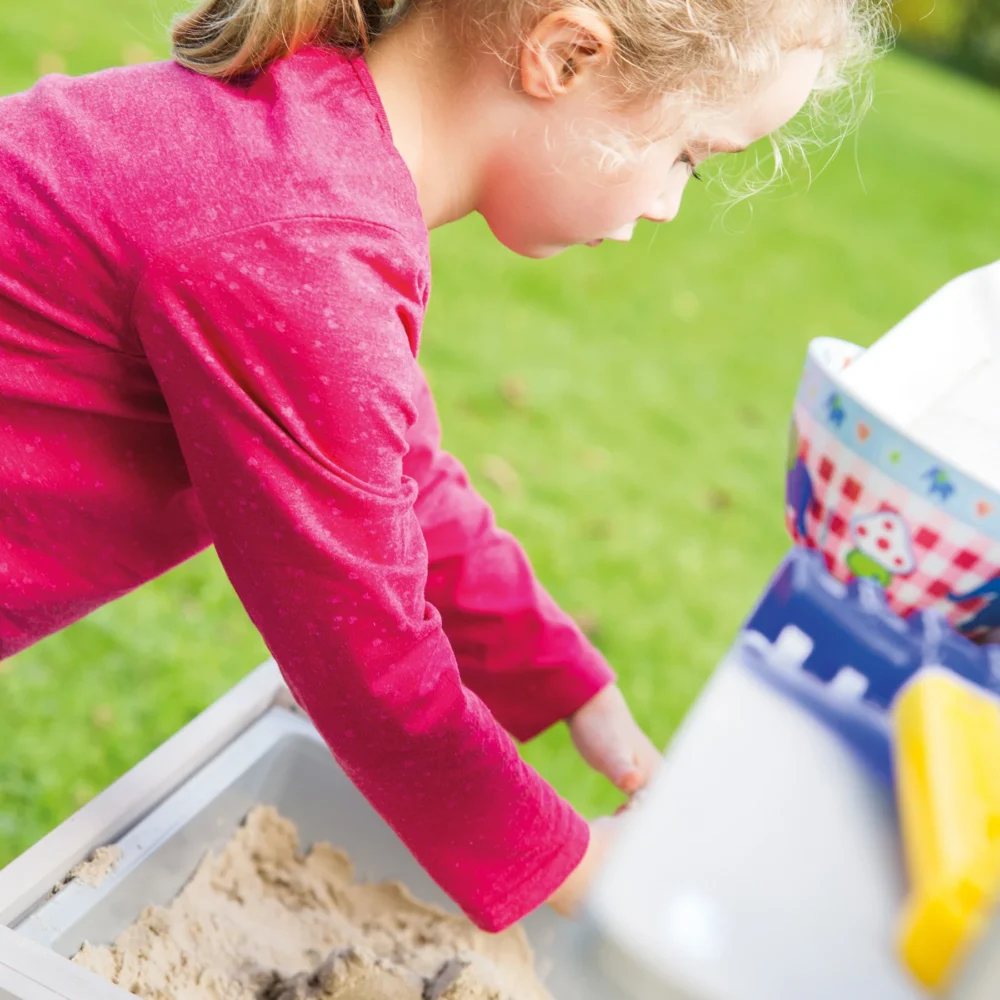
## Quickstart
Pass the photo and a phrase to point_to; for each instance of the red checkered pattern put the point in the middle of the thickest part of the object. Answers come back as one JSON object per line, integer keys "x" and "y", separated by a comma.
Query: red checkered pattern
{"x": 951, "y": 556}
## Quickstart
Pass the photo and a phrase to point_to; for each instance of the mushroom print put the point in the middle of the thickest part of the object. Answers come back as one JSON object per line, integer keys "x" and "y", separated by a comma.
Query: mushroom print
{"x": 882, "y": 547}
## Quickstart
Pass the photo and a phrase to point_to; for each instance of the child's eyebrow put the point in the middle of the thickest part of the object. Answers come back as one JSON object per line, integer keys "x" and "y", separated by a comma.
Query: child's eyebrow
{"x": 724, "y": 147}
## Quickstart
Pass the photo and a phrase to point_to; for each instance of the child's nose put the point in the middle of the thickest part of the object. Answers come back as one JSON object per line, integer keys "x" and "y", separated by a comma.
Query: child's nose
{"x": 665, "y": 209}
{"x": 662, "y": 211}
{"x": 658, "y": 214}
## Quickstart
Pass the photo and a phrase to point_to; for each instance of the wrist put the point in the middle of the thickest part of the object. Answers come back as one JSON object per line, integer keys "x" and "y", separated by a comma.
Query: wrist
{"x": 602, "y": 696}
{"x": 570, "y": 896}
{"x": 567, "y": 898}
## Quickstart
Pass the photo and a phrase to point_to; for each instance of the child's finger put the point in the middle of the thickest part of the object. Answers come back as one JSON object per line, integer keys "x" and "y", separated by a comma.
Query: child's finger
{"x": 630, "y": 781}
{"x": 621, "y": 768}
{"x": 648, "y": 759}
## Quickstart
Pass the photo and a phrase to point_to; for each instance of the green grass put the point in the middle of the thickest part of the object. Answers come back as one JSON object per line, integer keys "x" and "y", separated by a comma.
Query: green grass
{"x": 647, "y": 431}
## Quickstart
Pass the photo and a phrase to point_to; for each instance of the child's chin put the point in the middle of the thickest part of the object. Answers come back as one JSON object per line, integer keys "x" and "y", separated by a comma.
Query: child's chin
{"x": 540, "y": 252}
{"x": 523, "y": 244}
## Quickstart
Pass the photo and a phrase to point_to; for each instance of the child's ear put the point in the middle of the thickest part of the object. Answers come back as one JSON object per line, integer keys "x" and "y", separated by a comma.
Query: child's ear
{"x": 562, "y": 49}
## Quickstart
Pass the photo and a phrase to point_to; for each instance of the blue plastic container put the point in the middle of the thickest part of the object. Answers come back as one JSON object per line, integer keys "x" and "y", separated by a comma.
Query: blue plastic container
{"x": 844, "y": 654}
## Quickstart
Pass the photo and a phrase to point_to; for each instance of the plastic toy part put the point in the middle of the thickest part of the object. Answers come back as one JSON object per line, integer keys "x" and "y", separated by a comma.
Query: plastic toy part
{"x": 863, "y": 728}
{"x": 843, "y": 654}
{"x": 852, "y": 625}
{"x": 947, "y": 754}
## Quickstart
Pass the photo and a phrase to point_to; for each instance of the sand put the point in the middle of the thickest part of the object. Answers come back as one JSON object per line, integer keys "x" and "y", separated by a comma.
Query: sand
{"x": 262, "y": 921}
{"x": 97, "y": 868}
{"x": 93, "y": 870}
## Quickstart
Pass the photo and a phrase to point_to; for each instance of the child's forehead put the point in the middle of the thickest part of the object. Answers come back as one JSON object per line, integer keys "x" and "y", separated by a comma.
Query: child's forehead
{"x": 727, "y": 128}
{"x": 715, "y": 129}
{"x": 732, "y": 127}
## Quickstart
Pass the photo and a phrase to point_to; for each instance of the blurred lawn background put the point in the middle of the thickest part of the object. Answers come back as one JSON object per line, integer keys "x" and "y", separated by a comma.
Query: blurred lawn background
{"x": 963, "y": 34}
{"x": 625, "y": 410}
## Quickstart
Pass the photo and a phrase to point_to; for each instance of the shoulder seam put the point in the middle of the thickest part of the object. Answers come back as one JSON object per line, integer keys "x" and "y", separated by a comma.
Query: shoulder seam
{"x": 376, "y": 106}
{"x": 167, "y": 251}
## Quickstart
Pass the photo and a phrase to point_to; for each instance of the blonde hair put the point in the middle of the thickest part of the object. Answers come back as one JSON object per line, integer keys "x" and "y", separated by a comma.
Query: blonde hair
{"x": 711, "y": 51}
{"x": 226, "y": 39}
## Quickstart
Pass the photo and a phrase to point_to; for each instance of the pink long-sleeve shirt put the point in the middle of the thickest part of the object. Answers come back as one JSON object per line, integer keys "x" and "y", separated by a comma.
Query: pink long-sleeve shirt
{"x": 211, "y": 297}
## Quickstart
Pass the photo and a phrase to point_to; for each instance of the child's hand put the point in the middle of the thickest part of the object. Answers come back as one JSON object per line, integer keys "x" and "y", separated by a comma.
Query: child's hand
{"x": 611, "y": 742}
{"x": 567, "y": 898}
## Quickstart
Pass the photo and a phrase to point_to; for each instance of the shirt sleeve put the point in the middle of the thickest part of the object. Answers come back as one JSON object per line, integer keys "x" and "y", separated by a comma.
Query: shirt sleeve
{"x": 286, "y": 355}
{"x": 525, "y": 657}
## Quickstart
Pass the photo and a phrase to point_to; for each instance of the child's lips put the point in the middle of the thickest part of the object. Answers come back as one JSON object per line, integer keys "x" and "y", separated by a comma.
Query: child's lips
{"x": 623, "y": 235}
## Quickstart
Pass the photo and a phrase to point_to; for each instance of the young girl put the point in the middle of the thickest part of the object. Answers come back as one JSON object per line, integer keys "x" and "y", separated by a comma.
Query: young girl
{"x": 213, "y": 273}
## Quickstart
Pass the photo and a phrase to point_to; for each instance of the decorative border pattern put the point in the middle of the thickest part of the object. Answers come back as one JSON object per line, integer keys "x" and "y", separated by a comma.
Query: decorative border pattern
{"x": 881, "y": 445}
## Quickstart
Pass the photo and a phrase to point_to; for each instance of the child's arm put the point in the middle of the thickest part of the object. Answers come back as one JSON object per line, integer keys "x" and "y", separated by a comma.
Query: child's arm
{"x": 525, "y": 657}
{"x": 285, "y": 355}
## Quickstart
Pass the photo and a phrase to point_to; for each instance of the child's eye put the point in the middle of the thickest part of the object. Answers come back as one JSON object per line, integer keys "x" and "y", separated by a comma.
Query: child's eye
{"x": 685, "y": 157}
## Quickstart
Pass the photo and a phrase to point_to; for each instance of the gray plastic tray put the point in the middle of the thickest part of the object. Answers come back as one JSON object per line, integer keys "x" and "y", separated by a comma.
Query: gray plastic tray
{"x": 279, "y": 760}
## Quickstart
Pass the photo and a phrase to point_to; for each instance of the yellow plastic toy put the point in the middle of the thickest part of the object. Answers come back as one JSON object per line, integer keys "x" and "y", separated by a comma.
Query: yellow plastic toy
{"x": 947, "y": 751}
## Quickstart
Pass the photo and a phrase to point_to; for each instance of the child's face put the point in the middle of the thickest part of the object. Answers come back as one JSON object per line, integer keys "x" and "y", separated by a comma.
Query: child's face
{"x": 547, "y": 189}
